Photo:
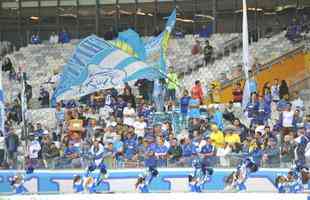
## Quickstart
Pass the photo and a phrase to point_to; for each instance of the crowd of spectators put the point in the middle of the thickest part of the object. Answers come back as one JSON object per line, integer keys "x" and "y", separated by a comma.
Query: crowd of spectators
{"x": 62, "y": 38}
{"x": 131, "y": 129}
{"x": 297, "y": 27}
{"x": 123, "y": 127}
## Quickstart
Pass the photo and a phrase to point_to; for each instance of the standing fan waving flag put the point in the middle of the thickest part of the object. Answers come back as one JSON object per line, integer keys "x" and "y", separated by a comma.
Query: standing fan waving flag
{"x": 246, "y": 57}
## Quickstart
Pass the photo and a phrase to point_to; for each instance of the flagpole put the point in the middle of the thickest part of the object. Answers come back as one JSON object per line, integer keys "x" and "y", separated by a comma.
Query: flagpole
{"x": 2, "y": 107}
{"x": 24, "y": 108}
{"x": 245, "y": 57}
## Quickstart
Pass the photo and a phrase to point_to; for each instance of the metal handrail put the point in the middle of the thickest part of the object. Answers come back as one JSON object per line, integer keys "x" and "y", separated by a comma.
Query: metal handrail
{"x": 266, "y": 65}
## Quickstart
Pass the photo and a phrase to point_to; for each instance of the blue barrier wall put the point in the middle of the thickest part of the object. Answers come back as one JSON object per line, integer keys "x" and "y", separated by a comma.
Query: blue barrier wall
{"x": 45, "y": 181}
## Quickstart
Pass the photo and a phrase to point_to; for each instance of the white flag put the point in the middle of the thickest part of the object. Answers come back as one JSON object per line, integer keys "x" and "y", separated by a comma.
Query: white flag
{"x": 2, "y": 108}
{"x": 246, "y": 57}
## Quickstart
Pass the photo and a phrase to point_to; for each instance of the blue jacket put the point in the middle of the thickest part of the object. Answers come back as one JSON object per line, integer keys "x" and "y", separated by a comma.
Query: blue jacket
{"x": 188, "y": 150}
{"x": 130, "y": 147}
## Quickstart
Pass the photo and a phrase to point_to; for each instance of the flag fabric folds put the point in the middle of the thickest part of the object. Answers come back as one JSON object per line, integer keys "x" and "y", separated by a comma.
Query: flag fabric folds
{"x": 98, "y": 64}
{"x": 246, "y": 57}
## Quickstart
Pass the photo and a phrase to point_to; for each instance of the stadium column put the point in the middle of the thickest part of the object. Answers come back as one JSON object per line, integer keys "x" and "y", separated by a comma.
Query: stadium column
{"x": 236, "y": 16}
{"x": 256, "y": 31}
{"x": 77, "y": 18}
{"x": 136, "y": 16}
{"x": 39, "y": 15}
{"x": 58, "y": 16}
{"x": 195, "y": 12}
{"x": 117, "y": 7}
{"x": 97, "y": 20}
{"x": 1, "y": 29}
{"x": 214, "y": 12}
{"x": 19, "y": 10}
{"x": 155, "y": 13}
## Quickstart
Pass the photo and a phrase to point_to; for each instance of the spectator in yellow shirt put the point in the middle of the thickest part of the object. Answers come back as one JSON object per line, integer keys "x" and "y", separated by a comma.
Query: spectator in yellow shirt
{"x": 172, "y": 84}
{"x": 217, "y": 137}
{"x": 232, "y": 138}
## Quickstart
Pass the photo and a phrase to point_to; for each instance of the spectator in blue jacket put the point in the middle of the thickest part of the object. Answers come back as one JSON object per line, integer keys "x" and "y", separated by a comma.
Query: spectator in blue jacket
{"x": 130, "y": 145}
{"x": 267, "y": 104}
{"x": 150, "y": 158}
{"x": 271, "y": 154}
{"x": 255, "y": 152}
{"x": 64, "y": 37}
{"x": 119, "y": 106}
{"x": 12, "y": 143}
{"x": 261, "y": 116}
{"x": 188, "y": 152}
{"x": 161, "y": 151}
{"x": 207, "y": 153}
{"x": 252, "y": 108}
{"x": 71, "y": 157}
{"x": 35, "y": 39}
{"x": 184, "y": 103}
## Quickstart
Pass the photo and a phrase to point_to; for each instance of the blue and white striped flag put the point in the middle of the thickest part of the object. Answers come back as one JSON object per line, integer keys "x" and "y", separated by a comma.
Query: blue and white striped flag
{"x": 96, "y": 65}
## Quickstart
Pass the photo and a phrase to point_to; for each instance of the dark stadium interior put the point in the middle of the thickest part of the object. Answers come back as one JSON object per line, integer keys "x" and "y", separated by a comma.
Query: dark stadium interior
{"x": 21, "y": 18}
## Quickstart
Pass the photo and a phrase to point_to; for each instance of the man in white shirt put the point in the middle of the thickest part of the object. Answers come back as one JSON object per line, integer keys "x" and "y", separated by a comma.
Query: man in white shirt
{"x": 286, "y": 120}
{"x": 129, "y": 115}
{"x": 109, "y": 135}
{"x": 140, "y": 126}
{"x": 275, "y": 89}
{"x": 59, "y": 115}
{"x": 53, "y": 38}
{"x": 33, "y": 151}
{"x": 287, "y": 117}
{"x": 105, "y": 112}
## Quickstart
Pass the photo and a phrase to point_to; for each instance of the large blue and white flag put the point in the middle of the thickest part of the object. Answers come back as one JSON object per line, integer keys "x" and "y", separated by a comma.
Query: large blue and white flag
{"x": 97, "y": 64}
{"x": 156, "y": 47}
{"x": 246, "y": 57}
{"x": 2, "y": 107}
